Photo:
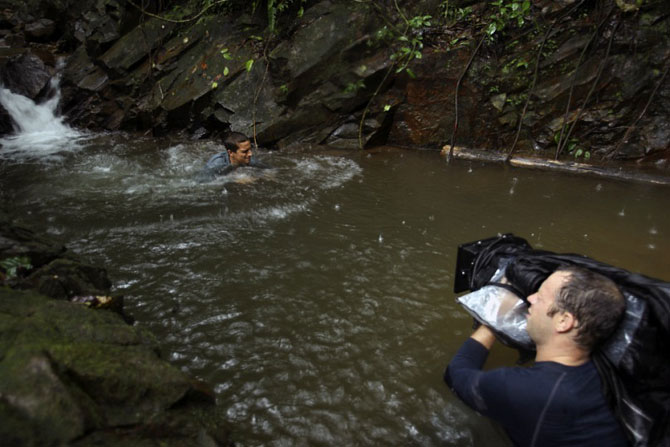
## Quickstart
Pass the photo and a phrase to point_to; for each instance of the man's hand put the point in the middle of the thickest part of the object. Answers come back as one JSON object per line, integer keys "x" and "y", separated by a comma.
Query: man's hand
{"x": 485, "y": 336}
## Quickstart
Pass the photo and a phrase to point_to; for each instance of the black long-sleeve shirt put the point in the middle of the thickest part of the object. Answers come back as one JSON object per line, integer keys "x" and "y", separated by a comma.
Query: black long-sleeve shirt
{"x": 547, "y": 404}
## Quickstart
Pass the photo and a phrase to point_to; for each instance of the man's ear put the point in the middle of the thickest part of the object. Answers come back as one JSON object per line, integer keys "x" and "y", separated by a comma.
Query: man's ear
{"x": 564, "y": 322}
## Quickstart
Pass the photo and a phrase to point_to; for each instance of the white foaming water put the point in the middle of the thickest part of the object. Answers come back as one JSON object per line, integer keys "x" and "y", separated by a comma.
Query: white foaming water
{"x": 39, "y": 132}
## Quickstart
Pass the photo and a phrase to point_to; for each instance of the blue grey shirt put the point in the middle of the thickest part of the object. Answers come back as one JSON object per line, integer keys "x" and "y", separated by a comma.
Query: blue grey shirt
{"x": 220, "y": 165}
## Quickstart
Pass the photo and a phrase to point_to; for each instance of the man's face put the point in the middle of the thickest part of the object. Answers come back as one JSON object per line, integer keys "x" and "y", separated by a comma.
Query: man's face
{"x": 538, "y": 324}
{"x": 242, "y": 156}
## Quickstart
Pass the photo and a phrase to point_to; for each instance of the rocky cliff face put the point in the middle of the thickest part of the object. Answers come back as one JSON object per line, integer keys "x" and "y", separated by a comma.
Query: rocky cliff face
{"x": 590, "y": 76}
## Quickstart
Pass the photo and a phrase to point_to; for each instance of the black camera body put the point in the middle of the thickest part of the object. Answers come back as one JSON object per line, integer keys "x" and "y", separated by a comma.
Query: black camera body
{"x": 474, "y": 266}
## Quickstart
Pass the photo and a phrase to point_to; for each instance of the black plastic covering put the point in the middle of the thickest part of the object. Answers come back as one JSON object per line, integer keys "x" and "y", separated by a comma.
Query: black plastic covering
{"x": 636, "y": 378}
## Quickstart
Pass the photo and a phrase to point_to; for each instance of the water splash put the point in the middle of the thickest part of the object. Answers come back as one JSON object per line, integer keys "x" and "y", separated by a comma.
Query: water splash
{"x": 39, "y": 132}
{"x": 514, "y": 182}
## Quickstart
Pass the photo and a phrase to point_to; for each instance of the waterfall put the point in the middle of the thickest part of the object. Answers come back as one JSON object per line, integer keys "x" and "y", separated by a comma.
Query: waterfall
{"x": 38, "y": 131}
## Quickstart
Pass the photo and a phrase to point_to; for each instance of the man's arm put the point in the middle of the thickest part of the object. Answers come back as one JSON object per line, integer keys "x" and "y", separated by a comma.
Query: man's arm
{"x": 464, "y": 371}
{"x": 485, "y": 336}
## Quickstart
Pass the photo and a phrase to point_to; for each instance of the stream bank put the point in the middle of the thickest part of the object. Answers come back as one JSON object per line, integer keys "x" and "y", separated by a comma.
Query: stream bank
{"x": 565, "y": 79}
{"x": 74, "y": 371}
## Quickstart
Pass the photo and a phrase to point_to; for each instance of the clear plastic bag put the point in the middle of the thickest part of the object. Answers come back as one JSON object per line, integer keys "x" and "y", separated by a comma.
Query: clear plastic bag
{"x": 501, "y": 310}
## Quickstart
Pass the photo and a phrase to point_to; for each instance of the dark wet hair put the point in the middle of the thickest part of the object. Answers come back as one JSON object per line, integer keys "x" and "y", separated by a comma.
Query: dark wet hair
{"x": 233, "y": 139}
{"x": 594, "y": 300}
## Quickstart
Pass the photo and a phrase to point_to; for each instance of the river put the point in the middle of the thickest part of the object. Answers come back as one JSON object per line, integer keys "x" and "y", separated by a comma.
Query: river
{"x": 316, "y": 297}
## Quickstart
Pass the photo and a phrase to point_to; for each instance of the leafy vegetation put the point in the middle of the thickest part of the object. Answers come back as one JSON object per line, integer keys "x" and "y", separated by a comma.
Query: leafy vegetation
{"x": 508, "y": 13}
{"x": 453, "y": 13}
{"x": 574, "y": 148}
{"x": 277, "y": 7}
{"x": 12, "y": 266}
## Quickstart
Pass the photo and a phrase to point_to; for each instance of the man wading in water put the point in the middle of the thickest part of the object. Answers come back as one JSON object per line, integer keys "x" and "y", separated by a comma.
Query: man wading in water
{"x": 238, "y": 154}
{"x": 558, "y": 401}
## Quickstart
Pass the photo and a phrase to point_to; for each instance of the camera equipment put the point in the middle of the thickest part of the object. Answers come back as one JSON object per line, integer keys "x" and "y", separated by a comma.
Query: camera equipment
{"x": 477, "y": 261}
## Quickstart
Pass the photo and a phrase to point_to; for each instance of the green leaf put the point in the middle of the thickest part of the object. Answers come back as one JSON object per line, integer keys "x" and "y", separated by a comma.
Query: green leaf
{"x": 249, "y": 64}
{"x": 214, "y": 85}
{"x": 226, "y": 71}
{"x": 11, "y": 265}
{"x": 387, "y": 107}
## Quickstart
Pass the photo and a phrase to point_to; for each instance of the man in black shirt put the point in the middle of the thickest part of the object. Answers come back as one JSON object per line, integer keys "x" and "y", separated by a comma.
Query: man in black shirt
{"x": 558, "y": 401}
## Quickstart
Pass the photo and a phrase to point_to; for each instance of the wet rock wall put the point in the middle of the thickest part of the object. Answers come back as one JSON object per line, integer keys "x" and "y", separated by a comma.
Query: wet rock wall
{"x": 591, "y": 76}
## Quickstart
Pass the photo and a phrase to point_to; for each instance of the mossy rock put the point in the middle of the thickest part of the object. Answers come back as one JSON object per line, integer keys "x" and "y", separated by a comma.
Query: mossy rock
{"x": 37, "y": 406}
{"x": 67, "y": 371}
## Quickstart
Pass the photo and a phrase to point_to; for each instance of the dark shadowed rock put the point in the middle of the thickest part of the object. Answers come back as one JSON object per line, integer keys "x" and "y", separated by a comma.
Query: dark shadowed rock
{"x": 136, "y": 45}
{"x": 6, "y": 126}
{"x": 100, "y": 25}
{"x": 18, "y": 241}
{"x": 81, "y": 71}
{"x": 243, "y": 101}
{"x": 40, "y": 30}
{"x": 26, "y": 75}
{"x": 206, "y": 73}
{"x": 65, "y": 278}
{"x": 322, "y": 35}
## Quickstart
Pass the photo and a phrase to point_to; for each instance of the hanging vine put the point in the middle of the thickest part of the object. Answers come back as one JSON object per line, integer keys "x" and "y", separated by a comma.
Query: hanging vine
{"x": 171, "y": 20}
{"x": 535, "y": 76}
{"x": 458, "y": 86}
{"x": 581, "y": 109}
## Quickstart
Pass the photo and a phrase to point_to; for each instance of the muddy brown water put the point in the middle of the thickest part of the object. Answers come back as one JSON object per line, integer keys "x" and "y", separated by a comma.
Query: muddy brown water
{"x": 317, "y": 297}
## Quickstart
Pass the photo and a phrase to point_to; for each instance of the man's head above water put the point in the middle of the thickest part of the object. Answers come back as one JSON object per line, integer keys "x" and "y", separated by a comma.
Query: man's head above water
{"x": 576, "y": 304}
{"x": 238, "y": 146}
